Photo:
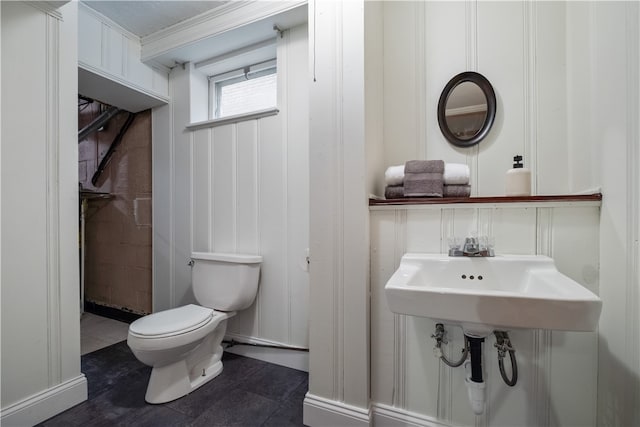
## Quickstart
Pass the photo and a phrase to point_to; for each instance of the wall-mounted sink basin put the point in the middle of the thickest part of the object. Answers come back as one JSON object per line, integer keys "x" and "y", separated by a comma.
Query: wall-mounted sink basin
{"x": 493, "y": 293}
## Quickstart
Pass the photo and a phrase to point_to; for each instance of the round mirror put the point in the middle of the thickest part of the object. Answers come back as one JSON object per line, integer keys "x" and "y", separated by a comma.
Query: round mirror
{"x": 467, "y": 109}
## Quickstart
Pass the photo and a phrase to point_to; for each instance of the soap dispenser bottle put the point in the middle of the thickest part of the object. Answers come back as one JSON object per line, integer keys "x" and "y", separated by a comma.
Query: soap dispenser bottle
{"x": 518, "y": 179}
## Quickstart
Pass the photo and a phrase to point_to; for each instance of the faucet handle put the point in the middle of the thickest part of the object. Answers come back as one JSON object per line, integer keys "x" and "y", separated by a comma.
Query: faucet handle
{"x": 455, "y": 246}
{"x": 454, "y": 242}
{"x": 486, "y": 244}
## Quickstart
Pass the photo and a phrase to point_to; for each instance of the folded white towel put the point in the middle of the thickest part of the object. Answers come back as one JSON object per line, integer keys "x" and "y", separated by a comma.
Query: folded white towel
{"x": 394, "y": 175}
{"x": 456, "y": 174}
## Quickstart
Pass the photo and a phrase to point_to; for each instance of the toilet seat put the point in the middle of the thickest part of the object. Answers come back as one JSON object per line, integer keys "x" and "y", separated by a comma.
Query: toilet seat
{"x": 155, "y": 331}
{"x": 175, "y": 321}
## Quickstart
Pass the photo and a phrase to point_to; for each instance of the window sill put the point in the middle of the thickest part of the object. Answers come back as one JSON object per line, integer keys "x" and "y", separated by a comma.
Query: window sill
{"x": 233, "y": 119}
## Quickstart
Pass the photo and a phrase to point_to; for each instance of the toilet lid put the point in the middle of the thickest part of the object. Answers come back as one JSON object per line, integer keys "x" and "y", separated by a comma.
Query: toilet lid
{"x": 181, "y": 319}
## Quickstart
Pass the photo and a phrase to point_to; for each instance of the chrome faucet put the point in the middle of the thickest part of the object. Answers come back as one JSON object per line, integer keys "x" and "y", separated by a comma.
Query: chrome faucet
{"x": 473, "y": 247}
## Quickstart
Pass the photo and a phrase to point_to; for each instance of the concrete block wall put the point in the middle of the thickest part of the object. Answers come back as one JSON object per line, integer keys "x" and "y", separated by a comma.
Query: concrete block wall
{"x": 118, "y": 230}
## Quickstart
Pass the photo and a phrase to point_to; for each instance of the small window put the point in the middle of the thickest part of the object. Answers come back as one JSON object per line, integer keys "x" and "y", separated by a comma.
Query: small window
{"x": 243, "y": 91}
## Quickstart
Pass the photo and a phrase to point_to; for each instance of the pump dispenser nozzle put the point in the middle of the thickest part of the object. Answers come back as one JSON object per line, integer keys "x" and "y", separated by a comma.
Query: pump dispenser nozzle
{"x": 516, "y": 162}
{"x": 518, "y": 179}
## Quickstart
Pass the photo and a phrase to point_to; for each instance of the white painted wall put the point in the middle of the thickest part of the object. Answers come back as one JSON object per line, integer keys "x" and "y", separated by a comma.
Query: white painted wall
{"x": 40, "y": 286}
{"x": 520, "y": 47}
{"x": 339, "y": 236}
{"x": 171, "y": 203}
{"x": 615, "y": 141}
{"x": 557, "y": 371}
{"x": 110, "y": 69}
{"x": 241, "y": 187}
{"x": 374, "y": 95}
{"x": 566, "y": 78}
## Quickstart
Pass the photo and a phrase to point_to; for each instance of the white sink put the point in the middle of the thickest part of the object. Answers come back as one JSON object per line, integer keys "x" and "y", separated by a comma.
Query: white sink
{"x": 493, "y": 293}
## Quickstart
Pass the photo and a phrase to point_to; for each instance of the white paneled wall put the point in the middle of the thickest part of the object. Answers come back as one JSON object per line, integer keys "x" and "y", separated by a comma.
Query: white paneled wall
{"x": 520, "y": 47}
{"x": 557, "y": 370}
{"x": 338, "y": 315}
{"x": 566, "y": 78}
{"x": 615, "y": 103}
{"x": 110, "y": 66}
{"x": 243, "y": 188}
{"x": 242, "y": 201}
{"x": 40, "y": 286}
{"x": 109, "y": 48}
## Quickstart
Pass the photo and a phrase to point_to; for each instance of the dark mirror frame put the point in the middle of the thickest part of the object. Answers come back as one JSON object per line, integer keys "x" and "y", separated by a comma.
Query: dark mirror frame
{"x": 487, "y": 89}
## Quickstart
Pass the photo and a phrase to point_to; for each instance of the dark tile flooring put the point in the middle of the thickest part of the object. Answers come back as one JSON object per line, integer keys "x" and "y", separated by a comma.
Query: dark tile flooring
{"x": 248, "y": 392}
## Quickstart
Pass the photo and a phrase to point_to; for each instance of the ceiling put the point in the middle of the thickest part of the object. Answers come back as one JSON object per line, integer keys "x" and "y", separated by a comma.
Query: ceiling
{"x": 145, "y": 17}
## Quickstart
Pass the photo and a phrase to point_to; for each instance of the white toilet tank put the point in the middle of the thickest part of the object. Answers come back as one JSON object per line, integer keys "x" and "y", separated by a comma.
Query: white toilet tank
{"x": 225, "y": 282}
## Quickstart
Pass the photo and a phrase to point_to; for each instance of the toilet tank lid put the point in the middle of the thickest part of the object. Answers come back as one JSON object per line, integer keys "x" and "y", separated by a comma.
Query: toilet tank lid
{"x": 227, "y": 257}
{"x": 176, "y": 320}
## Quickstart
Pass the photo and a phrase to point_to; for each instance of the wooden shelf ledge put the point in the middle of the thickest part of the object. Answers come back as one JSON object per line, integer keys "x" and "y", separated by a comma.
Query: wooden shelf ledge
{"x": 597, "y": 198}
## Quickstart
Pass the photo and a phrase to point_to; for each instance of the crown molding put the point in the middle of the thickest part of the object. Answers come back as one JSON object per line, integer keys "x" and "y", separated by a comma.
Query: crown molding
{"x": 209, "y": 24}
{"x": 49, "y": 7}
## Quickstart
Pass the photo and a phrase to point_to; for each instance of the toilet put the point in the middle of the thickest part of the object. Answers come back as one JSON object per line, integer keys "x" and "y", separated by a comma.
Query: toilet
{"x": 183, "y": 345}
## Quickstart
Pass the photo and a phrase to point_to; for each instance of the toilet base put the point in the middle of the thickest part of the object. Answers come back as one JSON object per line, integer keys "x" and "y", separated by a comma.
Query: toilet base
{"x": 173, "y": 381}
{"x": 201, "y": 365}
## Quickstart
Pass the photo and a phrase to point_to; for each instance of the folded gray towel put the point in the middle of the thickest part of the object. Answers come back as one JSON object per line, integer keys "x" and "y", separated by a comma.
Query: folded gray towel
{"x": 423, "y": 184}
{"x": 424, "y": 166}
{"x": 457, "y": 191}
{"x": 394, "y": 192}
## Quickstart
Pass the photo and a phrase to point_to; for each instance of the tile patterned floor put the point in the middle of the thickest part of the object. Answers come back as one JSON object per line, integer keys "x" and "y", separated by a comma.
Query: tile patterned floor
{"x": 97, "y": 332}
{"x": 248, "y": 392}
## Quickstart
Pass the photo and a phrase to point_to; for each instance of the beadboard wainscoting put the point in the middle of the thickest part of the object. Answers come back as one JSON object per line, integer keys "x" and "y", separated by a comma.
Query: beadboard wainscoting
{"x": 520, "y": 48}
{"x": 40, "y": 293}
{"x": 245, "y": 200}
{"x": 240, "y": 187}
{"x": 557, "y": 371}
{"x": 109, "y": 66}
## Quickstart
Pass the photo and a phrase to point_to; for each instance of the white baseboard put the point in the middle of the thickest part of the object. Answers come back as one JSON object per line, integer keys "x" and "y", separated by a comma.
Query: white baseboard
{"x": 290, "y": 358}
{"x": 46, "y": 404}
{"x": 319, "y": 411}
{"x": 389, "y": 416}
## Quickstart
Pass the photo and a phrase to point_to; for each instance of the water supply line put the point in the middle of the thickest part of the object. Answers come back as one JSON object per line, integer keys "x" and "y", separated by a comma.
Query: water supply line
{"x": 503, "y": 345}
{"x": 439, "y": 336}
{"x": 231, "y": 343}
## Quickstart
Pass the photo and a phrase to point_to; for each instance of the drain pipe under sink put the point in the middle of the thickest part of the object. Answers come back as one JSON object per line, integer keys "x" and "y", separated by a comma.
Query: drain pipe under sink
{"x": 474, "y": 381}
{"x": 472, "y": 359}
